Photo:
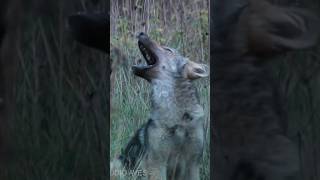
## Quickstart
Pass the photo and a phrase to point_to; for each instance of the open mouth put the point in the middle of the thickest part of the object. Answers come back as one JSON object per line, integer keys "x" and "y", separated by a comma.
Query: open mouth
{"x": 148, "y": 55}
{"x": 148, "y": 49}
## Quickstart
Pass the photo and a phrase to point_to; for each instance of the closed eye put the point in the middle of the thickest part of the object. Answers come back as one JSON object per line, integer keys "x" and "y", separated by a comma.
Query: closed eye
{"x": 168, "y": 49}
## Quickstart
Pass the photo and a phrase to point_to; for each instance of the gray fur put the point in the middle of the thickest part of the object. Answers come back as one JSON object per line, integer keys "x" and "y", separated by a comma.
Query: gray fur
{"x": 172, "y": 141}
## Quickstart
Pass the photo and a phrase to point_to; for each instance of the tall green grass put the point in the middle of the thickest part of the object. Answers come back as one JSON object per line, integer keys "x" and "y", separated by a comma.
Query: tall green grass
{"x": 131, "y": 108}
{"x": 180, "y": 25}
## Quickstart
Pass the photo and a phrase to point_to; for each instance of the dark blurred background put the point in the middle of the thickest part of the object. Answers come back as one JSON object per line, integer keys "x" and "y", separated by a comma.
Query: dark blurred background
{"x": 53, "y": 94}
{"x": 299, "y": 76}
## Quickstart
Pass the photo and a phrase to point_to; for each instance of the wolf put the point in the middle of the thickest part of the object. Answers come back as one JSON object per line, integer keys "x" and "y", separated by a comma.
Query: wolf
{"x": 250, "y": 121}
{"x": 170, "y": 144}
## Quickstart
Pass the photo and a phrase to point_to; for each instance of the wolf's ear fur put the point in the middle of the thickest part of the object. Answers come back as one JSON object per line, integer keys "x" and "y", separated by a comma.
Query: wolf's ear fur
{"x": 273, "y": 29}
{"x": 194, "y": 70}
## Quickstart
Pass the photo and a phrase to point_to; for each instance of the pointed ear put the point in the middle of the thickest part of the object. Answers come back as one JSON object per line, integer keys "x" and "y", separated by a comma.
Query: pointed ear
{"x": 279, "y": 29}
{"x": 193, "y": 70}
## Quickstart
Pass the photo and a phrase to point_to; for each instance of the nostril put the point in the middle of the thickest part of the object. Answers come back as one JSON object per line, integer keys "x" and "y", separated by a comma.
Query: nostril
{"x": 141, "y": 34}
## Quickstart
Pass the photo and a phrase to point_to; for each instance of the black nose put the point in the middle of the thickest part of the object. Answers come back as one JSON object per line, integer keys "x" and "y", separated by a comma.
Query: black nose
{"x": 141, "y": 34}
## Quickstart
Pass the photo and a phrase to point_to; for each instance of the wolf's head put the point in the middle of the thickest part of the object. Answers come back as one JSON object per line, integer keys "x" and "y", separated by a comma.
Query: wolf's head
{"x": 164, "y": 63}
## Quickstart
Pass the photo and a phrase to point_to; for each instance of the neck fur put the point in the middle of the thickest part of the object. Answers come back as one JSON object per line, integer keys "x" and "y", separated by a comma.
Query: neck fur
{"x": 171, "y": 99}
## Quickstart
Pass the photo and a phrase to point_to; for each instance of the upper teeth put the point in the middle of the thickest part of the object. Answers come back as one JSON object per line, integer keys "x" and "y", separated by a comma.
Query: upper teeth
{"x": 145, "y": 52}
